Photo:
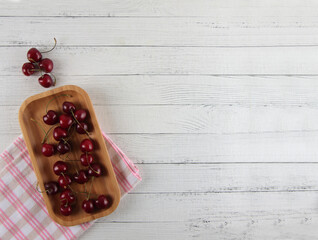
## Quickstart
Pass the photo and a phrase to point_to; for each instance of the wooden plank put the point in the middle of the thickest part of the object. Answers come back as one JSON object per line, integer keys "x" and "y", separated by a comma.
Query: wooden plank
{"x": 144, "y": 90}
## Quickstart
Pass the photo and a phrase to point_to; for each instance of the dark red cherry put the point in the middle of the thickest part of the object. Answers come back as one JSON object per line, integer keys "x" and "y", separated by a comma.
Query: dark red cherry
{"x": 64, "y": 181}
{"x": 103, "y": 202}
{"x": 60, "y": 167}
{"x": 66, "y": 210}
{"x": 51, "y": 188}
{"x": 87, "y": 145}
{"x": 88, "y": 206}
{"x": 50, "y": 118}
{"x": 81, "y": 128}
{"x": 59, "y": 133}
{"x": 63, "y": 147}
{"x": 48, "y": 149}
{"x": 68, "y": 107}
{"x": 46, "y": 65}
{"x": 46, "y": 81}
{"x": 95, "y": 170}
{"x": 34, "y": 55}
{"x": 28, "y": 69}
{"x": 80, "y": 115}
{"x": 66, "y": 121}
{"x": 86, "y": 159}
{"x": 80, "y": 177}
{"x": 67, "y": 197}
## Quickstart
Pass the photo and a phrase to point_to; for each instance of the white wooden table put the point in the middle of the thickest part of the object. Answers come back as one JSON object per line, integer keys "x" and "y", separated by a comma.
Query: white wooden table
{"x": 215, "y": 101}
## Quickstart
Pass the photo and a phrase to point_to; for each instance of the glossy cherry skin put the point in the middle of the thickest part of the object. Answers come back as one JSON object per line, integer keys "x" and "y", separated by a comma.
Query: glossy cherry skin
{"x": 63, "y": 147}
{"x": 46, "y": 65}
{"x": 48, "y": 149}
{"x": 51, "y": 188}
{"x": 60, "y": 167}
{"x": 66, "y": 210}
{"x": 67, "y": 197}
{"x": 59, "y": 133}
{"x": 95, "y": 170}
{"x": 64, "y": 181}
{"x": 50, "y": 118}
{"x": 34, "y": 55}
{"x": 86, "y": 159}
{"x": 66, "y": 121}
{"x": 87, "y": 145}
{"x": 81, "y": 177}
{"x": 46, "y": 81}
{"x": 28, "y": 69}
{"x": 88, "y": 206}
{"x": 80, "y": 115}
{"x": 103, "y": 202}
{"x": 81, "y": 128}
{"x": 68, "y": 107}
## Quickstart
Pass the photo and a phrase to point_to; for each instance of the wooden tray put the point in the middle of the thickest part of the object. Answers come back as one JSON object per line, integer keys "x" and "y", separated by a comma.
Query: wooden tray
{"x": 34, "y": 107}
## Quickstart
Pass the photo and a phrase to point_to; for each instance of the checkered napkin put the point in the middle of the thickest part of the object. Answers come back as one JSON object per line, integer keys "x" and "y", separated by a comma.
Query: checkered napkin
{"x": 23, "y": 214}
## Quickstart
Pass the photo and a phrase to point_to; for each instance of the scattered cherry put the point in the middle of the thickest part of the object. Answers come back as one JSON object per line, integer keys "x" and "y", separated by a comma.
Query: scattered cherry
{"x": 68, "y": 107}
{"x": 66, "y": 210}
{"x": 63, "y": 147}
{"x": 86, "y": 159}
{"x": 66, "y": 121}
{"x": 82, "y": 128}
{"x": 87, "y": 145}
{"x": 34, "y": 55}
{"x": 51, "y": 188}
{"x": 67, "y": 197}
{"x": 88, "y": 206}
{"x": 64, "y": 181}
{"x": 80, "y": 177}
{"x": 60, "y": 167}
{"x": 46, "y": 81}
{"x": 59, "y": 133}
{"x": 46, "y": 65}
{"x": 48, "y": 149}
{"x": 50, "y": 118}
{"x": 80, "y": 115}
{"x": 103, "y": 202}
{"x": 28, "y": 69}
{"x": 95, "y": 170}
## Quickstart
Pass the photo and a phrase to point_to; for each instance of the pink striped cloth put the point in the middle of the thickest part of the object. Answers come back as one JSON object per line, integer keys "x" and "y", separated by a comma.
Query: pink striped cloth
{"x": 23, "y": 214}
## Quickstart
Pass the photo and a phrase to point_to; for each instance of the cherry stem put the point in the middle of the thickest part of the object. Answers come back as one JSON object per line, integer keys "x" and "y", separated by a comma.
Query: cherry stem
{"x": 37, "y": 189}
{"x": 46, "y": 135}
{"x": 90, "y": 188}
{"x": 62, "y": 95}
{"x": 54, "y": 79}
{"x": 39, "y": 125}
{"x": 35, "y": 70}
{"x": 87, "y": 133}
{"x": 76, "y": 191}
{"x": 92, "y": 168}
{"x": 55, "y": 42}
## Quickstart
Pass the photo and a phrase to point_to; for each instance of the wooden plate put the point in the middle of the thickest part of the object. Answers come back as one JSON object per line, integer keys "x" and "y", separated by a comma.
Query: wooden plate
{"x": 34, "y": 107}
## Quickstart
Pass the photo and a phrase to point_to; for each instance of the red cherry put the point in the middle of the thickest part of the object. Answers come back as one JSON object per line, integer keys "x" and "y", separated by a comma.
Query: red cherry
{"x": 64, "y": 181}
{"x": 47, "y": 149}
{"x": 51, "y": 188}
{"x": 80, "y": 177}
{"x": 46, "y": 65}
{"x": 63, "y": 148}
{"x": 86, "y": 159}
{"x": 67, "y": 197}
{"x": 28, "y": 69}
{"x": 34, "y": 55}
{"x": 95, "y": 170}
{"x": 81, "y": 128}
{"x": 59, "y": 133}
{"x": 68, "y": 107}
{"x": 46, "y": 81}
{"x": 50, "y": 118}
{"x": 60, "y": 167}
{"x": 66, "y": 121}
{"x": 87, "y": 145}
{"x": 88, "y": 206}
{"x": 103, "y": 202}
{"x": 66, "y": 210}
{"x": 80, "y": 115}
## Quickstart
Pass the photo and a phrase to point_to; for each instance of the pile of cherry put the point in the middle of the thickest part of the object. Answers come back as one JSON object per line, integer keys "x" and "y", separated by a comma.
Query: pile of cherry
{"x": 38, "y": 64}
{"x": 68, "y": 121}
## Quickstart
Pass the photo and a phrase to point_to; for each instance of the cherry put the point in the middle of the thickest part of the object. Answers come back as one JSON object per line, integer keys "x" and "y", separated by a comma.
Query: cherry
{"x": 66, "y": 210}
{"x": 51, "y": 188}
{"x": 66, "y": 121}
{"x": 80, "y": 115}
{"x": 46, "y": 65}
{"x": 95, "y": 170}
{"x": 103, "y": 202}
{"x": 68, "y": 107}
{"x": 28, "y": 69}
{"x": 64, "y": 181}
{"x": 63, "y": 148}
{"x": 81, "y": 128}
{"x": 50, "y": 118}
{"x": 88, "y": 206}
{"x": 60, "y": 167}
{"x": 87, "y": 145}
{"x": 46, "y": 81}
{"x": 86, "y": 159}
{"x": 59, "y": 133}
{"x": 48, "y": 149}
{"x": 67, "y": 197}
{"x": 34, "y": 55}
{"x": 80, "y": 177}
